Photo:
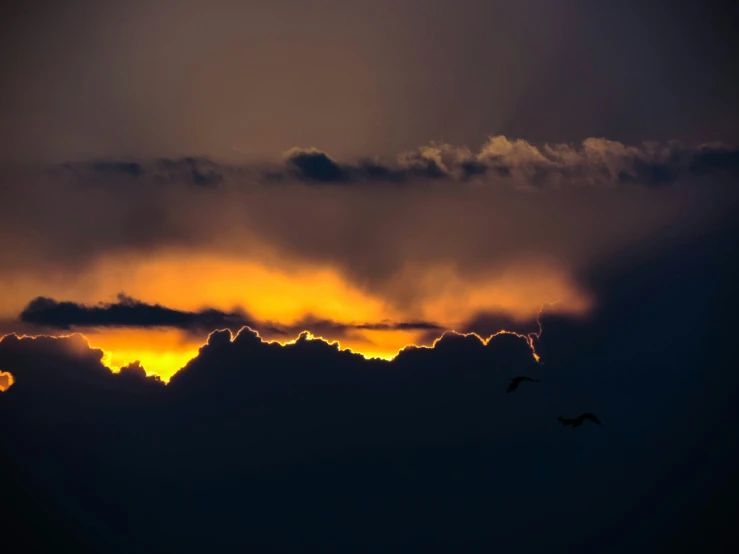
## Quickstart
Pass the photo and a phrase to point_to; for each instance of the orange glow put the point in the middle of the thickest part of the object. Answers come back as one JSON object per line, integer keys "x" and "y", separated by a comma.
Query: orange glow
{"x": 172, "y": 361}
{"x": 164, "y": 351}
{"x": 160, "y": 351}
{"x": 6, "y": 381}
{"x": 519, "y": 293}
{"x": 286, "y": 292}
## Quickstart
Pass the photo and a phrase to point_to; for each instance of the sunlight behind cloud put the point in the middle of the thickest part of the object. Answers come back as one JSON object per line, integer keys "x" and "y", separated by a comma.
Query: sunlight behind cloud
{"x": 288, "y": 293}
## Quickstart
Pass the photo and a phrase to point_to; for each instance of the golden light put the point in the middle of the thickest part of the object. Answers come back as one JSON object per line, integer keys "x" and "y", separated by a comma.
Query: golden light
{"x": 6, "y": 381}
{"x": 286, "y": 292}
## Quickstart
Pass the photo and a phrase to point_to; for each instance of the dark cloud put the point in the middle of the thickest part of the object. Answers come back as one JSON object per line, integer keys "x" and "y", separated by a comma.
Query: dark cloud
{"x": 198, "y": 171}
{"x": 714, "y": 158}
{"x": 403, "y": 326}
{"x": 336, "y": 328}
{"x": 128, "y": 168}
{"x": 107, "y": 168}
{"x": 374, "y": 170}
{"x": 241, "y": 402}
{"x": 595, "y": 161}
{"x": 50, "y": 314}
{"x": 472, "y": 169}
{"x": 251, "y": 438}
{"x": 313, "y": 165}
{"x": 127, "y": 312}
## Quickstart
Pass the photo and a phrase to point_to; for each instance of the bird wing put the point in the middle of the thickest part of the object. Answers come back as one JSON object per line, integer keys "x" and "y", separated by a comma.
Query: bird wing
{"x": 565, "y": 421}
{"x": 513, "y": 386}
{"x": 592, "y": 418}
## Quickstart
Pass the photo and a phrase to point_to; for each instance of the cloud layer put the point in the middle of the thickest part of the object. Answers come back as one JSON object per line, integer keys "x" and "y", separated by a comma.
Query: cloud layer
{"x": 424, "y": 450}
{"x": 127, "y": 312}
{"x": 51, "y": 315}
{"x": 594, "y": 162}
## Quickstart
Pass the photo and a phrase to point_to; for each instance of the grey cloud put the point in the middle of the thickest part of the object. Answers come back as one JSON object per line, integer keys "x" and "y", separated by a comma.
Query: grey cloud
{"x": 595, "y": 162}
{"x": 126, "y": 312}
{"x": 198, "y": 171}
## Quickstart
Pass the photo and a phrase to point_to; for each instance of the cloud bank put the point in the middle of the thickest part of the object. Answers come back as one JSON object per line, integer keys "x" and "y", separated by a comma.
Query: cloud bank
{"x": 50, "y": 315}
{"x": 593, "y": 162}
{"x": 127, "y": 312}
{"x": 423, "y": 450}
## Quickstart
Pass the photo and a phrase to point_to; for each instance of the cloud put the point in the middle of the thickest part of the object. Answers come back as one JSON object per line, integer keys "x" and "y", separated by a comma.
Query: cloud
{"x": 50, "y": 314}
{"x": 714, "y": 157}
{"x": 127, "y": 312}
{"x": 198, "y": 171}
{"x": 594, "y": 162}
{"x": 127, "y": 168}
{"x": 239, "y": 368}
{"x": 314, "y": 165}
{"x": 251, "y": 437}
{"x": 59, "y": 364}
{"x": 330, "y": 328}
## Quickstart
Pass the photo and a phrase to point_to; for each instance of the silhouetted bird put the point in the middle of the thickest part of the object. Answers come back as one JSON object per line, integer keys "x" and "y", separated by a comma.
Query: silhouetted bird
{"x": 518, "y": 380}
{"x": 576, "y": 422}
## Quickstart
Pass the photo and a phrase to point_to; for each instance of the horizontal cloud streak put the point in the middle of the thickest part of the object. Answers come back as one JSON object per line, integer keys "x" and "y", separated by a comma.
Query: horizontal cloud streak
{"x": 594, "y": 162}
{"x": 198, "y": 171}
{"x": 129, "y": 312}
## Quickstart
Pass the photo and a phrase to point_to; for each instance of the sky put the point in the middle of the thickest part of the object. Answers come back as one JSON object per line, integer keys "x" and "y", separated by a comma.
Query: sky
{"x": 282, "y": 259}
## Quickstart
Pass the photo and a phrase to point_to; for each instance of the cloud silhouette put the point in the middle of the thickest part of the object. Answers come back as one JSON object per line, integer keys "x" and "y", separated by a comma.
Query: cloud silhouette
{"x": 335, "y": 329}
{"x": 314, "y": 165}
{"x": 127, "y": 168}
{"x": 251, "y": 438}
{"x": 49, "y": 314}
{"x": 199, "y": 171}
{"x": 127, "y": 312}
{"x": 257, "y": 446}
{"x": 595, "y": 162}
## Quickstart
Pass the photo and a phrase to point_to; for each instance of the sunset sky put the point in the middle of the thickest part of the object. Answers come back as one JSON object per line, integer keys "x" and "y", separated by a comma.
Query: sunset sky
{"x": 561, "y": 174}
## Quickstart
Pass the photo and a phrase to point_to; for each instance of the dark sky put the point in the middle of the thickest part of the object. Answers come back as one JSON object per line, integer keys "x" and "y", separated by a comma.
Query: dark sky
{"x": 267, "y": 270}
{"x": 252, "y": 79}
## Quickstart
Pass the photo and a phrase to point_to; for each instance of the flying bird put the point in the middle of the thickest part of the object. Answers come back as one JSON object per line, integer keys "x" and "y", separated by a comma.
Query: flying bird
{"x": 518, "y": 380}
{"x": 576, "y": 422}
